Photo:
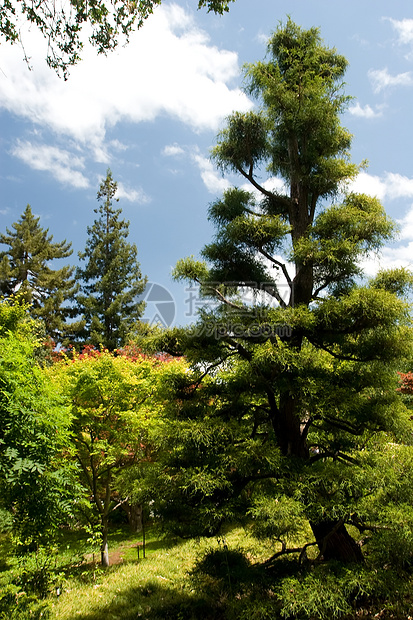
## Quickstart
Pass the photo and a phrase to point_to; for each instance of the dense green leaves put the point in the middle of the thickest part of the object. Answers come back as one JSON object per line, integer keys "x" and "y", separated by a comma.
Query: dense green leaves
{"x": 217, "y": 6}
{"x": 300, "y": 88}
{"x": 36, "y": 485}
{"x": 108, "y": 24}
{"x": 115, "y": 405}
{"x": 244, "y": 143}
{"x": 298, "y": 355}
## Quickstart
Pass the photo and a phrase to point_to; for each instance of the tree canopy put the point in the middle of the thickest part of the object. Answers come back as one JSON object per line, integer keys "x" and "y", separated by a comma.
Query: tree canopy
{"x": 294, "y": 364}
{"x": 111, "y": 280}
{"x": 116, "y": 403}
{"x": 27, "y": 268}
{"x": 36, "y": 484}
{"x": 62, "y": 26}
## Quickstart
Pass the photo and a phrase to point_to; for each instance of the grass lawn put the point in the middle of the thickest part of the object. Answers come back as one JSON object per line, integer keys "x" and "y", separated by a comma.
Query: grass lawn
{"x": 159, "y": 586}
{"x": 130, "y": 587}
{"x": 156, "y": 586}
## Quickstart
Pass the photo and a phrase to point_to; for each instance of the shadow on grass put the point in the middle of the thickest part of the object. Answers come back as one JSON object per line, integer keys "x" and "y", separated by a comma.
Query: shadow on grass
{"x": 82, "y": 562}
{"x": 78, "y": 542}
{"x": 153, "y": 601}
{"x": 6, "y": 550}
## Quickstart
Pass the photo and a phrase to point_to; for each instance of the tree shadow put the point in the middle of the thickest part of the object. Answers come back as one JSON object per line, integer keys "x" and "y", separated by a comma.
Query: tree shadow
{"x": 6, "y": 552}
{"x": 153, "y": 601}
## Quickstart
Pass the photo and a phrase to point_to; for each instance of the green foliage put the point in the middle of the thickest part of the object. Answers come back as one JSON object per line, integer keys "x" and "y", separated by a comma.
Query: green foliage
{"x": 244, "y": 143}
{"x": 217, "y": 6}
{"x": 341, "y": 235}
{"x": 116, "y": 405}
{"x": 109, "y": 23}
{"x": 223, "y": 573}
{"x": 301, "y": 90}
{"x": 397, "y": 280}
{"x": 314, "y": 596}
{"x": 111, "y": 280}
{"x": 15, "y": 604}
{"x": 277, "y": 518}
{"x": 294, "y": 368}
{"x": 190, "y": 269}
{"x": 36, "y": 485}
{"x": 26, "y": 269}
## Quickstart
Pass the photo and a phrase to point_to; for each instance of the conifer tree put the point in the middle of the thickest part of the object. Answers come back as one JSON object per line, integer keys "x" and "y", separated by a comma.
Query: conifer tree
{"x": 111, "y": 279}
{"x": 26, "y": 269}
{"x": 295, "y": 362}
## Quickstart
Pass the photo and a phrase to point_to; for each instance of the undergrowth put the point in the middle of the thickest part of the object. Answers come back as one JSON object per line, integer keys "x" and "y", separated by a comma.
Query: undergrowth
{"x": 187, "y": 580}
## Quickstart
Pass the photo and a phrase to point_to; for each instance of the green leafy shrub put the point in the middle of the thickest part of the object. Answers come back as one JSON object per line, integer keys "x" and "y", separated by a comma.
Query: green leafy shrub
{"x": 227, "y": 567}
{"x": 16, "y": 604}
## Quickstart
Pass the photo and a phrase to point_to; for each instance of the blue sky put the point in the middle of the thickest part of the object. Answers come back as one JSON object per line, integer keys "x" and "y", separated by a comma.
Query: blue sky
{"x": 151, "y": 111}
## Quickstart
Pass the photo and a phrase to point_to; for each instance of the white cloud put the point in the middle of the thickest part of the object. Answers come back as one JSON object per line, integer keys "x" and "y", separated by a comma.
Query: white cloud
{"x": 117, "y": 145}
{"x": 381, "y": 79}
{"x": 406, "y": 228}
{"x": 398, "y": 186}
{"x": 263, "y": 38}
{"x": 212, "y": 179}
{"x": 273, "y": 184}
{"x": 388, "y": 258}
{"x": 172, "y": 150}
{"x": 62, "y": 164}
{"x": 393, "y": 257}
{"x": 132, "y": 195}
{"x": 101, "y": 154}
{"x": 404, "y": 28}
{"x": 185, "y": 77}
{"x": 366, "y": 111}
{"x": 368, "y": 184}
{"x": 276, "y": 184}
{"x": 390, "y": 186}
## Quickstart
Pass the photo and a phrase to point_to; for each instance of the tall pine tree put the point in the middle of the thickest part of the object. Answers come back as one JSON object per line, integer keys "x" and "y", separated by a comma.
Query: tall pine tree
{"x": 297, "y": 356}
{"x": 111, "y": 279}
{"x": 26, "y": 269}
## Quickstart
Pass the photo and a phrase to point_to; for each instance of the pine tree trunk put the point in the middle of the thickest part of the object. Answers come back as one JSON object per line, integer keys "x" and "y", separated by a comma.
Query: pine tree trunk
{"x": 288, "y": 428}
{"x": 333, "y": 539}
{"x": 335, "y": 543}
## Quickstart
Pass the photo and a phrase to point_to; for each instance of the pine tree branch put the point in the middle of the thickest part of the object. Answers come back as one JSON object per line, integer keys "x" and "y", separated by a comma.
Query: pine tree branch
{"x": 339, "y": 356}
{"x": 286, "y": 551}
{"x": 211, "y": 367}
{"x": 218, "y": 293}
{"x": 349, "y": 428}
{"x": 278, "y": 264}
{"x": 285, "y": 202}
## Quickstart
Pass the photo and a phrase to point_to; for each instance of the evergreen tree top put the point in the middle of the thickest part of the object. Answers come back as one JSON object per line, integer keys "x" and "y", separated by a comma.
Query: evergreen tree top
{"x": 29, "y": 239}
{"x": 111, "y": 279}
{"x": 27, "y": 266}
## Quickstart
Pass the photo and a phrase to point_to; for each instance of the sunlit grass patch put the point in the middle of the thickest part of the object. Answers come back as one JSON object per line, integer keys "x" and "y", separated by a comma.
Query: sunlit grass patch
{"x": 132, "y": 588}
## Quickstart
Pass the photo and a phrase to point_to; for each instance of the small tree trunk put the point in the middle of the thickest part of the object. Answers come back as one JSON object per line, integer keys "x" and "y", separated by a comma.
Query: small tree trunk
{"x": 134, "y": 514}
{"x": 104, "y": 549}
{"x": 335, "y": 543}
